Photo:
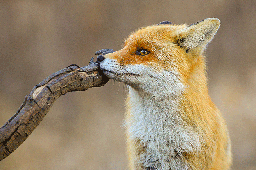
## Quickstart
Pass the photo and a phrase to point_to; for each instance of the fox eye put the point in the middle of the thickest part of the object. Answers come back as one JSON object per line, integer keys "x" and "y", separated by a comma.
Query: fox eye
{"x": 142, "y": 52}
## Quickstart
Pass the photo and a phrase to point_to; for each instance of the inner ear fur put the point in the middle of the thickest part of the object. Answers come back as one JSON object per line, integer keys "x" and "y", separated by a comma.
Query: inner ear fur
{"x": 198, "y": 35}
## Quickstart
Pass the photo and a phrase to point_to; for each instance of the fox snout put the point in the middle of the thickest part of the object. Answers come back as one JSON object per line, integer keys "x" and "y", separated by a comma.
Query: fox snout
{"x": 100, "y": 55}
{"x": 100, "y": 58}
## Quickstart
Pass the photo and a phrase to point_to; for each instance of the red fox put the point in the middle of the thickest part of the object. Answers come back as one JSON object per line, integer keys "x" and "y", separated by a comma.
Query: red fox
{"x": 171, "y": 121}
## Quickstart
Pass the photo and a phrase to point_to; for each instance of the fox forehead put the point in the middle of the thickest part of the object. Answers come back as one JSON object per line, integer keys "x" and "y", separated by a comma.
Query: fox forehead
{"x": 154, "y": 34}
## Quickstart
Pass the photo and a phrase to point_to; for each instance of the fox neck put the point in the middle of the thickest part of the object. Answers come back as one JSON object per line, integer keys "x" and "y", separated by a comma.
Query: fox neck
{"x": 157, "y": 124}
{"x": 150, "y": 115}
{"x": 160, "y": 111}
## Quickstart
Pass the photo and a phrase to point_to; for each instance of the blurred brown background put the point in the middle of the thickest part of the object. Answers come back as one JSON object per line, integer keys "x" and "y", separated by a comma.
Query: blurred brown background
{"x": 84, "y": 130}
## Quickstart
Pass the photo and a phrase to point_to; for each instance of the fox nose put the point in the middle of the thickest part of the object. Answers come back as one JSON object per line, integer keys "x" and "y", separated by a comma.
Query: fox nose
{"x": 101, "y": 54}
{"x": 100, "y": 58}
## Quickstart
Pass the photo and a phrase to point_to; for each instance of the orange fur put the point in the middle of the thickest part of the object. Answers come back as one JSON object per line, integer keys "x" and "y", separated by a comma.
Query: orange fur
{"x": 175, "y": 56}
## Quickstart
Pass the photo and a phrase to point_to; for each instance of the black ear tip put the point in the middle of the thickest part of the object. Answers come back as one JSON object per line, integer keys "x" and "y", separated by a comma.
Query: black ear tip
{"x": 164, "y": 22}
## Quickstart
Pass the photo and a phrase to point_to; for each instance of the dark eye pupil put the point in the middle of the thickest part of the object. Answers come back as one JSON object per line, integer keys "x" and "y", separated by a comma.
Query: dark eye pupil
{"x": 142, "y": 52}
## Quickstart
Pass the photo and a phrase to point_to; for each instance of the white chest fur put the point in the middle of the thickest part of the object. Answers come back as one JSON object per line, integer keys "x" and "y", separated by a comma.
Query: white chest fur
{"x": 158, "y": 125}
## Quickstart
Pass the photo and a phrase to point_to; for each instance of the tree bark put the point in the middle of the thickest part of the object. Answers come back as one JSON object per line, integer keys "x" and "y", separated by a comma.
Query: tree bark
{"x": 41, "y": 98}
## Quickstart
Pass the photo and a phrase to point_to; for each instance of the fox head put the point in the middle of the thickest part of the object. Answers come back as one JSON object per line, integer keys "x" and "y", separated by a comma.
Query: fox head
{"x": 162, "y": 59}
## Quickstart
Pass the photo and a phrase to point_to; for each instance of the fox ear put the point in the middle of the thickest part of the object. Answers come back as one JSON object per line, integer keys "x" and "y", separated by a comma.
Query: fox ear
{"x": 198, "y": 35}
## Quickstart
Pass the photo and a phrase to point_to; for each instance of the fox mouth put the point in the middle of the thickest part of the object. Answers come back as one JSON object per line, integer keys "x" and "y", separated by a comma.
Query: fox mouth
{"x": 115, "y": 74}
{"x": 109, "y": 74}
{"x": 125, "y": 77}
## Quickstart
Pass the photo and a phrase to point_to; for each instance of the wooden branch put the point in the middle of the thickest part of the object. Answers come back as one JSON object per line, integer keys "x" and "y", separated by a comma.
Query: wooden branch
{"x": 41, "y": 98}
